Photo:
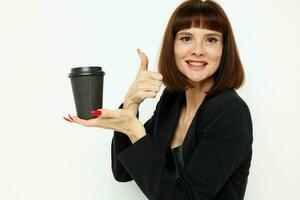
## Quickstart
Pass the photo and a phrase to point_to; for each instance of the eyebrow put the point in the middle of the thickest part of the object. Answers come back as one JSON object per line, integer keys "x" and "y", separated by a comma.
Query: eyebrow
{"x": 207, "y": 34}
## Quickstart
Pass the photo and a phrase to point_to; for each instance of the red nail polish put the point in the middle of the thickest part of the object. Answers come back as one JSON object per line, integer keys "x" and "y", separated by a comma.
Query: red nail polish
{"x": 96, "y": 112}
{"x": 70, "y": 117}
{"x": 67, "y": 119}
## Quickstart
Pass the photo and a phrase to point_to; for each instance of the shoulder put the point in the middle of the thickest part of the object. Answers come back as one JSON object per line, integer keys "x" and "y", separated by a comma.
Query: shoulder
{"x": 168, "y": 97}
{"x": 227, "y": 108}
{"x": 167, "y": 94}
{"x": 227, "y": 101}
{"x": 227, "y": 115}
{"x": 166, "y": 101}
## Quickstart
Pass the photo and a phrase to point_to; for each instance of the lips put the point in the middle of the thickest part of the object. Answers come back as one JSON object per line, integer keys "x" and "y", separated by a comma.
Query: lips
{"x": 196, "y": 64}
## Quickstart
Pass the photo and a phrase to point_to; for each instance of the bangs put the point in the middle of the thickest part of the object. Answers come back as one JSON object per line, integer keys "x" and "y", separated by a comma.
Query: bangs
{"x": 198, "y": 16}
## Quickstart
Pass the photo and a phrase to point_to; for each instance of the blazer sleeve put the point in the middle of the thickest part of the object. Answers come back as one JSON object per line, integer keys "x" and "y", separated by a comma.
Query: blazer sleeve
{"x": 227, "y": 140}
{"x": 120, "y": 142}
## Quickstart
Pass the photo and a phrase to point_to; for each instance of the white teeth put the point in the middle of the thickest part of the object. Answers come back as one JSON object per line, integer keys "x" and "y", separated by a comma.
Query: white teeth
{"x": 197, "y": 64}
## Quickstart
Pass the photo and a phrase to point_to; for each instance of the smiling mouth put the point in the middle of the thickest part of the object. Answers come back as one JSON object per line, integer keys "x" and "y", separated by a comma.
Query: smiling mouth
{"x": 196, "y": 65}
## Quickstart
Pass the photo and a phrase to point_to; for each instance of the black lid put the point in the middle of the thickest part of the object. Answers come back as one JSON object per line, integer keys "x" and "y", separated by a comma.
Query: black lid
{"x": 84, "y": 71}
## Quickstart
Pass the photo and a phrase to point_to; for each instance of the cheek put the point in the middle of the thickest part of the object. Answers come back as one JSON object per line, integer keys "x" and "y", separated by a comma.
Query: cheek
{"x": 216, "y": 55}
{"x": 178, "y": 53}
{"x": 180, "y": 50}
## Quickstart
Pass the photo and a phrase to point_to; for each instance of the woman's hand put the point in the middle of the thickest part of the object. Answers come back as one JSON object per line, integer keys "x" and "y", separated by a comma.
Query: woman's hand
{"x": 145, "y": 85}
{"x": 120, "y": 120}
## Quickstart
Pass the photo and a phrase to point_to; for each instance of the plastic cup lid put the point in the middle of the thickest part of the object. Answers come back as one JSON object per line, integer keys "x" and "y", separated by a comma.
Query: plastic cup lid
{"x": 84, "y": 71}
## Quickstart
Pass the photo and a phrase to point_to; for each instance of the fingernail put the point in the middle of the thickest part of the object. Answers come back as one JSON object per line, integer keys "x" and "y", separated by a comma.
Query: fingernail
{"x": 67, "y": 119}
{"x": 70, "y": 117}
{"x": 96, "y": 112}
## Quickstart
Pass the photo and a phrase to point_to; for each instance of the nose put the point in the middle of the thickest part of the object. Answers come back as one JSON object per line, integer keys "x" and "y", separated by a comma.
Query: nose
{"x": 198, "y": 49}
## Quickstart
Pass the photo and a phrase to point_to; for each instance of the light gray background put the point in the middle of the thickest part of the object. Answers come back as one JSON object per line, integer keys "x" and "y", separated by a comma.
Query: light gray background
{"x": 44, "y": 157}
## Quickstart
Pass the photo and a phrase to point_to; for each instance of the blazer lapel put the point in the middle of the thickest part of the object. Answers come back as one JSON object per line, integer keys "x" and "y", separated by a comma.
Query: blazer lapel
{"x": 168, "y": 126}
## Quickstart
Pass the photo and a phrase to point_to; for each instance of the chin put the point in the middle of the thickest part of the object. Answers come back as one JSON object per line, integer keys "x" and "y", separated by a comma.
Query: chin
{"x": 196, "y": 79}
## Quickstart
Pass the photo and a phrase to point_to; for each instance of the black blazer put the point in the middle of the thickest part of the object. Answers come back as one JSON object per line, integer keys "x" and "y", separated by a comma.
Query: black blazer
{"x": 217, "y": 151}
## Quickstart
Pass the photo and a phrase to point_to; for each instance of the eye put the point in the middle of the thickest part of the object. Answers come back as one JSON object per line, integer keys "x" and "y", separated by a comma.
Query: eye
{"x": 212, "y": 40}
{"x": 185, "y": 39}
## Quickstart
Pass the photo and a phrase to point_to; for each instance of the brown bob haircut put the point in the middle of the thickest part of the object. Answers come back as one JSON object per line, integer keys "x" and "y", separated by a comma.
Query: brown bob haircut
{"x": 202, "y": 14}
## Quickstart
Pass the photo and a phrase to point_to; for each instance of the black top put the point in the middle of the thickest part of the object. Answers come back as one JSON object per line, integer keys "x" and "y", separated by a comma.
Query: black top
{"x": 178, "y": 161}
{"x": 216, "y": 151}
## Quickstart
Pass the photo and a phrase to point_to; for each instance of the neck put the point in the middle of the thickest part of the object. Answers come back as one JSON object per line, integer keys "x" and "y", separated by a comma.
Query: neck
{"x": 195, "y": 97}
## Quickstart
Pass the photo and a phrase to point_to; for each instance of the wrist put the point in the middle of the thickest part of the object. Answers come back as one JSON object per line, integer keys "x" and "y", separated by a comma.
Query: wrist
{"x": 131, "y": 107}
{"x": 137, "y": 132}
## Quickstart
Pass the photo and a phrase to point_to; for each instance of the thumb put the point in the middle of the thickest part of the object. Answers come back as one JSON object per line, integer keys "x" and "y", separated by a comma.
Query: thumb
{"x": 144, "y": 60}
{"x": 105, "y": 113}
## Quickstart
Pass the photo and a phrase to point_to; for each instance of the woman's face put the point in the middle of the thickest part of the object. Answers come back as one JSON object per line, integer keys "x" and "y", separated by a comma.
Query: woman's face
{"x": 198, "y": 53}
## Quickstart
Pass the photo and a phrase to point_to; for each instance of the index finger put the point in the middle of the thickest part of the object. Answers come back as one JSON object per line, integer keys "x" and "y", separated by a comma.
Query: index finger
{"x": 155, "y": 75}
{"x": 83, "y": 122}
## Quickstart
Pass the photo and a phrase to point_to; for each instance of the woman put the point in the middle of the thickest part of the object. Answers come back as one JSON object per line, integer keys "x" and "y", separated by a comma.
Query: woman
{"x": 198, "y": 143}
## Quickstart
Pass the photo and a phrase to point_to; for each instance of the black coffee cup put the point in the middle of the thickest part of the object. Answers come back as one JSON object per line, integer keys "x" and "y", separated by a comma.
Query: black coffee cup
{"x": 87, "y": 87}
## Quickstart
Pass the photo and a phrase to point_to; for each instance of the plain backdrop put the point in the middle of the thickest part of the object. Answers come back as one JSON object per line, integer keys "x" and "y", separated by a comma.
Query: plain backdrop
{"x": 44, "y": 157}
